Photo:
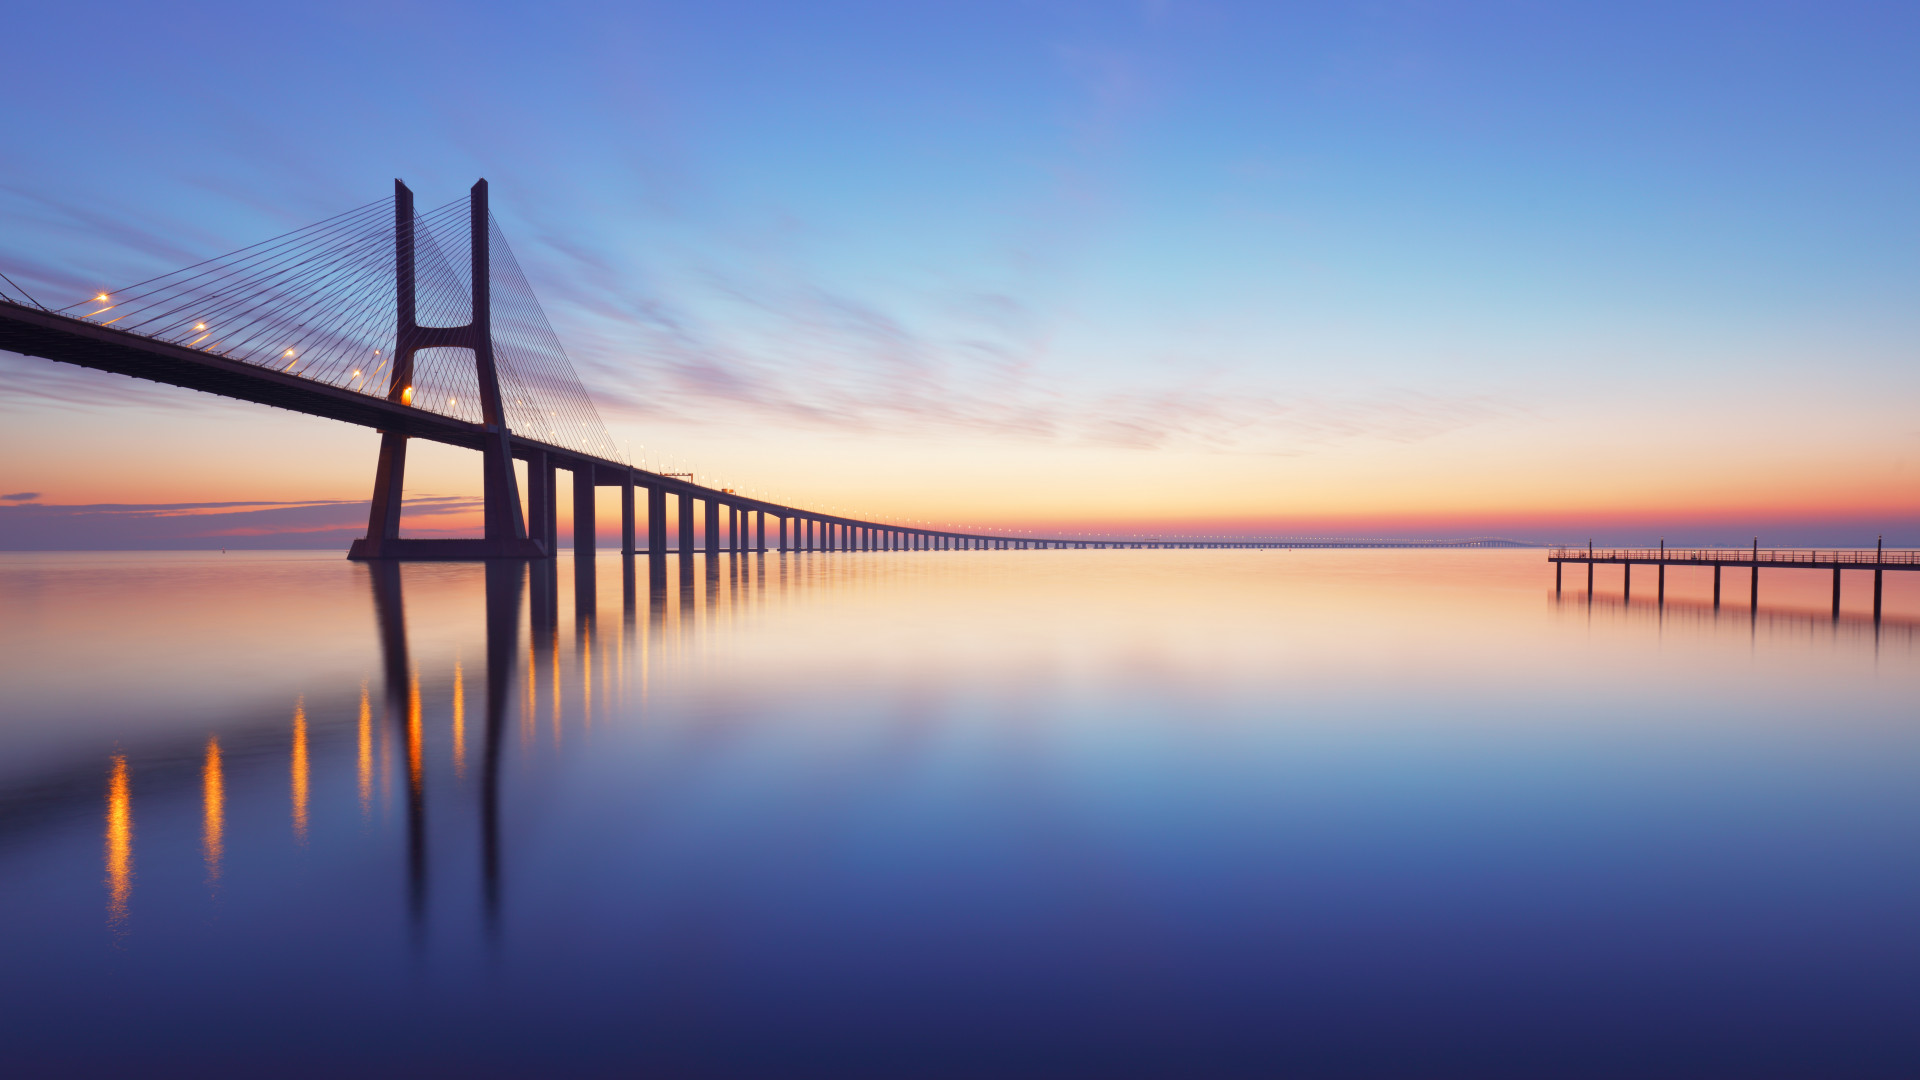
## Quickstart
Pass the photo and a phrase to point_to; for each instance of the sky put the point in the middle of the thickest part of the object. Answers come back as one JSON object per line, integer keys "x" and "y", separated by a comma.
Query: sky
{"x": 1550, "y": 271}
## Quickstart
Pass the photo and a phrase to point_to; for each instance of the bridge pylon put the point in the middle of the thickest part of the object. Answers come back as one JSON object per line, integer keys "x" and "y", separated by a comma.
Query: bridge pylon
{"x": 506, "y": 530}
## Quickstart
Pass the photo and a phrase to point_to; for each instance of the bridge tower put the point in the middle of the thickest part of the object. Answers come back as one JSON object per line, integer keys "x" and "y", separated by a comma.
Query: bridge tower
{"x": 506, "y": 530}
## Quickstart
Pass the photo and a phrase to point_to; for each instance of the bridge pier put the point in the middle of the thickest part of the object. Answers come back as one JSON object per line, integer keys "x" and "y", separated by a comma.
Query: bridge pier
{"x": 626, "y": 515}
{"x": 713, "y": 529}
{"x": 583, "y": 523}
{"x": 656, "y": 520}
{"x": 1626, "y": 593}
{"x": 1716, "y": 587}
{"x": 1836, "y": 593}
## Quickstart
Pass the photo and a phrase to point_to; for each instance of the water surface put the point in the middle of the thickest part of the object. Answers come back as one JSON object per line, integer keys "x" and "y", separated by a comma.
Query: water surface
{"x": 1121, "y": 813}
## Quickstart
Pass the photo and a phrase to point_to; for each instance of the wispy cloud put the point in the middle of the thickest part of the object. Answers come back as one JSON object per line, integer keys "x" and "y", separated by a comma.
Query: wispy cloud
{"x": 163, "y": 526}
{"x": 805, "y": 355}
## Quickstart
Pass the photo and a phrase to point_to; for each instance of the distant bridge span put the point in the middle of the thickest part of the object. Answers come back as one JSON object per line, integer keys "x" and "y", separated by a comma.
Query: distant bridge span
{"x": 350, "y": 319}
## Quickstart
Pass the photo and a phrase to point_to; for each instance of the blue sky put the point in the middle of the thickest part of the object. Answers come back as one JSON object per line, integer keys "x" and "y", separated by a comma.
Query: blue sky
{"x": 1303, "y": 264}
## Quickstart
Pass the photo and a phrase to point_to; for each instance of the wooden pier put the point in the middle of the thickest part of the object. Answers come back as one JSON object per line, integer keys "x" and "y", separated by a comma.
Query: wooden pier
{"x": 1877, "y": 559}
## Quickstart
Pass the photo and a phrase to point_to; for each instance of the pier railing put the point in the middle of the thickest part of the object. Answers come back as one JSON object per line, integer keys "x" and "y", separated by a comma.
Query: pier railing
{"x": 1809, "y": 557}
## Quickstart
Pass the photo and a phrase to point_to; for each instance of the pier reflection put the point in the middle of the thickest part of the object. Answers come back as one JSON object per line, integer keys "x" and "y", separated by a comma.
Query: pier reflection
{"x": 1706, "y": 617}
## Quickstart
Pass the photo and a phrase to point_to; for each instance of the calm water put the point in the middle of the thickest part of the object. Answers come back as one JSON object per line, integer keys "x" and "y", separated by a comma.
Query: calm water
{"x": 953, "y": 814}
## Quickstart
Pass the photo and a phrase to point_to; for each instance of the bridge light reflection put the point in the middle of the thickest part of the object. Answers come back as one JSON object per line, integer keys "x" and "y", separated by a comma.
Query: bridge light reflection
{"x": 119, "y": 844}
{"x": 213, "y": 792}
{"x": 459, "y": 720}
{"x": 300, "y": 772}
{"x": 406, "y": 396}
{"x": 365, "y": 760}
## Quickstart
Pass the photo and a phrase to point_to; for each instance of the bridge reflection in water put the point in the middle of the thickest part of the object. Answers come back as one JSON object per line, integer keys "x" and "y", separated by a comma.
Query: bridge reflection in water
{"x": 645, "y": 807}
{"x": 665, "y": 602}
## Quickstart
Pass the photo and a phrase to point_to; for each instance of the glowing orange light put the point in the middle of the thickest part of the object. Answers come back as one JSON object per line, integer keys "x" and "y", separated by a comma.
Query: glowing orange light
{"x": 119, "y": 843}
{"x": 300, "y": 771}
{"x": 459, "y": 721}
{"x": 289, "y": 352}
{"x": 366, "y": 753}
{"x": 413, "y": 733}
{"x": 214, "y": 796}
{"x": 406, "y": 396}
{"x": 356, "y": 373}
{"x": 101, "y": 299}
{"x": 199, "y": 326}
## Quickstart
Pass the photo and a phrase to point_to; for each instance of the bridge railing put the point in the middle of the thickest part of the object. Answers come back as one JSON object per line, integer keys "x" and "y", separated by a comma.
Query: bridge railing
{"x": 1746, "y": 556}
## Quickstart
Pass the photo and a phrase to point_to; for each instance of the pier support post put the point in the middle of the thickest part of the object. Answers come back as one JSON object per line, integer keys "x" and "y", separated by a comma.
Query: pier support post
{"x": 656, "y": 520}
{"x": 582, "y": 512}
{"x": 539, "y": 497}
{"x": 1626, "y": 588}
{"x": 713, "y": 528}
{"x": 686, "y": 525}
{"x": 626, "y": 515}
{"x": 1879, "y": 549}
{"x": 1661, "y": 596}
{"x": 1836, "y": 592}
{"x": 1589, "y": 578}
{"x": 1716, "y": 586}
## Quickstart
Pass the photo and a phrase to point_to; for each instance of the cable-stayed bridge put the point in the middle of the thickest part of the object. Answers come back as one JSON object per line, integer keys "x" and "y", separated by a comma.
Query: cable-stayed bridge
{"x": 421, "y": 325}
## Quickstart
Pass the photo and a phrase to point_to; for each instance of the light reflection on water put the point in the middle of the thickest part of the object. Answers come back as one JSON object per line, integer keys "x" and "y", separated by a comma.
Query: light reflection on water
{"x": 1133, "y": 813}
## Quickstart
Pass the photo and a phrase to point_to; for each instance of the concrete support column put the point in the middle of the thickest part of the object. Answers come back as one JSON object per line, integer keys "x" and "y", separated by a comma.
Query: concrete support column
{"x": 1626, "y": 593}
{"x": 713, "y": 527}
{"x": 583, "y": 523}
{"x": 686, "y": 524}
{"x": 1716, "y": 586}
{"x": 1557, "y": 567}
{"x": 1836, "y": 592}
{"x": 626, "y": 515}
{"x": 760, "y": 530}
{"x": 1662, "y": 588}
{"x": 783, "y": 532}
{"x": 539, "y": 483}
{"x": 656, "y": 520}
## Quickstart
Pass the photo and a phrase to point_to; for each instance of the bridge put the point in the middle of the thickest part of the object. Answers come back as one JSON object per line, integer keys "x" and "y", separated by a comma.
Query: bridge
{"x": 421, "y": 325}
{"x": 1879, "y": 560}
